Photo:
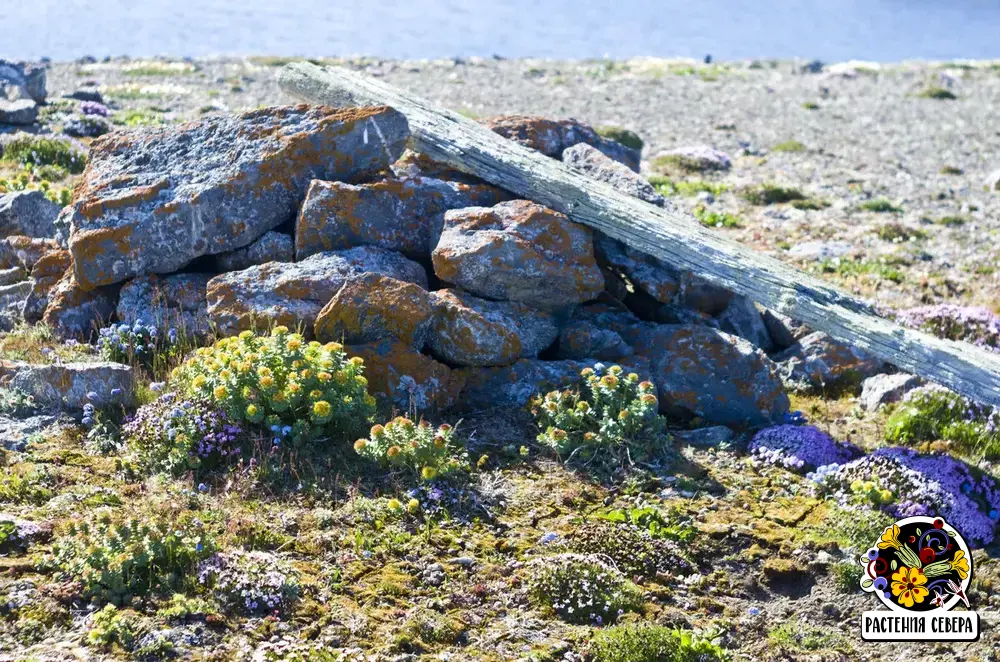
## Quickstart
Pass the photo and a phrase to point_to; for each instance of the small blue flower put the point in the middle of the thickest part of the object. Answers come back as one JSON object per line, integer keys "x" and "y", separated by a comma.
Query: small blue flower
{"x": 87, "y": 421}
{"x": 116, "y": 392}
{"x": 202, "y": 487}
{"x": 92, "y": 395}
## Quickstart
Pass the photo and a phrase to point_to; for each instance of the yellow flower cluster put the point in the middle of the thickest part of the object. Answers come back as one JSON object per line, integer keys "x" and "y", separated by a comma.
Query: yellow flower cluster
{"x": 281, "y": 380}
{"x": 419, "y": 447}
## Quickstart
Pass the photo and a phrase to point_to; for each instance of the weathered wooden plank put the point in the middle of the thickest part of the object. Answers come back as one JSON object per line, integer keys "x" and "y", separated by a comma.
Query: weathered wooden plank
{"x": 674, "y": 237}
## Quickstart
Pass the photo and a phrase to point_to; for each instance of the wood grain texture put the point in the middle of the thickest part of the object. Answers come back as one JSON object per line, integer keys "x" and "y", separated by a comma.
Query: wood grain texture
{"x": 674, "y": 237}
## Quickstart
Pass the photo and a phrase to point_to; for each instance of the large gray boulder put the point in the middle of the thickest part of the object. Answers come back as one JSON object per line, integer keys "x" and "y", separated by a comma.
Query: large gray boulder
{"x": 152, "y": 200}
{"x": 706, "y": 373}
{"x": 271, "y": 247}
{"x": 69, "y": 386}
{"x": 591, "y": 161}
{"x": 471, "y": 331}
{"x": 173, "y": 302}
{"x": 294, "y": 293}
{"x": 518, "y": 251}
{"x": 400, "y": 214}
{"x": 28, "y": 213}
{"x": 515, "y": 385}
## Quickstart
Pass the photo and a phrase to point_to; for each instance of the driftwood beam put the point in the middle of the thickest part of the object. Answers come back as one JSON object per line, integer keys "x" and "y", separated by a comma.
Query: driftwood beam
{"x": 673, "y": 237}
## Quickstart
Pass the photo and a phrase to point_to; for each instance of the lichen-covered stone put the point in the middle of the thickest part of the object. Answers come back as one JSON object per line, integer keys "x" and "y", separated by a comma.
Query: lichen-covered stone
{"x": 518, "y": 251}
{"x": 552, "y": 137}
{"x": 294, "y": 293}
{"x": 742, "y": 318}
{"x": 167, "y": 302}
{"x": 271, "y": 247}
{"x": 370, "y": 307}
{"x": 591, "y": 161}
{"x": 20, "y": 112}
{"x": 407, "y": 379}
{"x": 471, "y": 331}
{"x": 883, "y": 389}
{"x": 151, "y": 200}
{"x": 695, "y": 158}
{"x": 583, "y": 339}
{"x": 27, "y": 213}
{"x": 819, "y": 362}
{"x": 46, "y": 272}
{"x": 23, "y": 251}
{"x": 75, "y": 312}
{"x": 706, "y": 373}
{"x": 69, "y": 386}
{"x": 398, "y": 214}
{"x": 646, "y": 272}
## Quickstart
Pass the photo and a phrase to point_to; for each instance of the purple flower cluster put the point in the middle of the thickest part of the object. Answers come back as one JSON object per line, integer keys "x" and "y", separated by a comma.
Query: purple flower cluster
{"x": 977, "y": 325}
{"x": 255, "y": 582}
{"x": 173, "y": 434}
{"x": 922, "y": 484}
{"x": 94, "y": 108}
{"x": 798, "y": 447}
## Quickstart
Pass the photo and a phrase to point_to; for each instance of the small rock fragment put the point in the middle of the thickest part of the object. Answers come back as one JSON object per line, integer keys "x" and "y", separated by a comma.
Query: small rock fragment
{"x": 370, "y": 307}
{"x": 883, "y": 389}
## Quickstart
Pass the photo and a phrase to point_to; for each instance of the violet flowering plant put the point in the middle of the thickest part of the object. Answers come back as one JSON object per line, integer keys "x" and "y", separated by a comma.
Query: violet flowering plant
{"x": 799, "y": 447}
{"x": 973, "y": 324}
{"x": 173, "y": 434}
{"x": 910, "y": 484}
{"x": 582, "y": 588}
{"x": 94, "y": 108}
{"x": 253, "y": 582}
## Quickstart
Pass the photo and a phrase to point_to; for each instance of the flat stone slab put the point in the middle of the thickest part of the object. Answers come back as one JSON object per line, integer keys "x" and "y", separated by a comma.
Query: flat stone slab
{"x": 69, "y": 386}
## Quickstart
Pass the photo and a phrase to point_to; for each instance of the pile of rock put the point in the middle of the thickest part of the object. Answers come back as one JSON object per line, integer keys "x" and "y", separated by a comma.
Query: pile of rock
{"x": 22, "y": 91}
{"x": 454, "y": 291}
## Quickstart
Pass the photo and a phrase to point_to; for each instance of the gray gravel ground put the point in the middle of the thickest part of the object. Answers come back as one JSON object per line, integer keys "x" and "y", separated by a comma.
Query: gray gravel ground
{"x": 866, "y": 131}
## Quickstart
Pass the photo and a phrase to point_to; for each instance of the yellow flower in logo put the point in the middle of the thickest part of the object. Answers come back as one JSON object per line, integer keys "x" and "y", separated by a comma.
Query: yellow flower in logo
{"x": 890, "y": 538}
{"x": 908, "y": 585}
{"x": 960, "y": 564}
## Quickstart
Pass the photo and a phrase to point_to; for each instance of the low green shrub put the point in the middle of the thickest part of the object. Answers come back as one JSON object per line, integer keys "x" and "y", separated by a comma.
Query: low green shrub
{"x": 36, "y": 151}
{"x": 306, "y": 391}
{"x": 582, "y": 589}
{"x": 789, "y": 146}
{"x": 847, "y": 576}
{"x": 716, "y": 219}
{"x": 770, "y": 194}
{"x": 116, "y": 558}
{"x": 632, "y": 549}
{"x": 419, "y": 447}
{"x": 647, "y": 642}
{"x": 932, "y": 413}
{"x": 111, "y": 627}
{"x": 622, "y": 136}
{"x": 935, "y": 92}
{"x": 613, "y": 420}
{"x": 881, "y": 206}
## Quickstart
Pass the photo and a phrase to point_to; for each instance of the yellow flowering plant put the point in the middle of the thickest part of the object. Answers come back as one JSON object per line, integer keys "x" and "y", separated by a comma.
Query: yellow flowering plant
{"x": 301, "y": 391}
{"x": 612, "y": 419}
{"x": 419, "y": 447}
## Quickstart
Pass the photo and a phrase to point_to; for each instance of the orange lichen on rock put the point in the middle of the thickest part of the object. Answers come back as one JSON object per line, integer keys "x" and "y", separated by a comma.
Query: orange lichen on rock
{"x": 372, "y": 307}
{"x": 406, "y": 378}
